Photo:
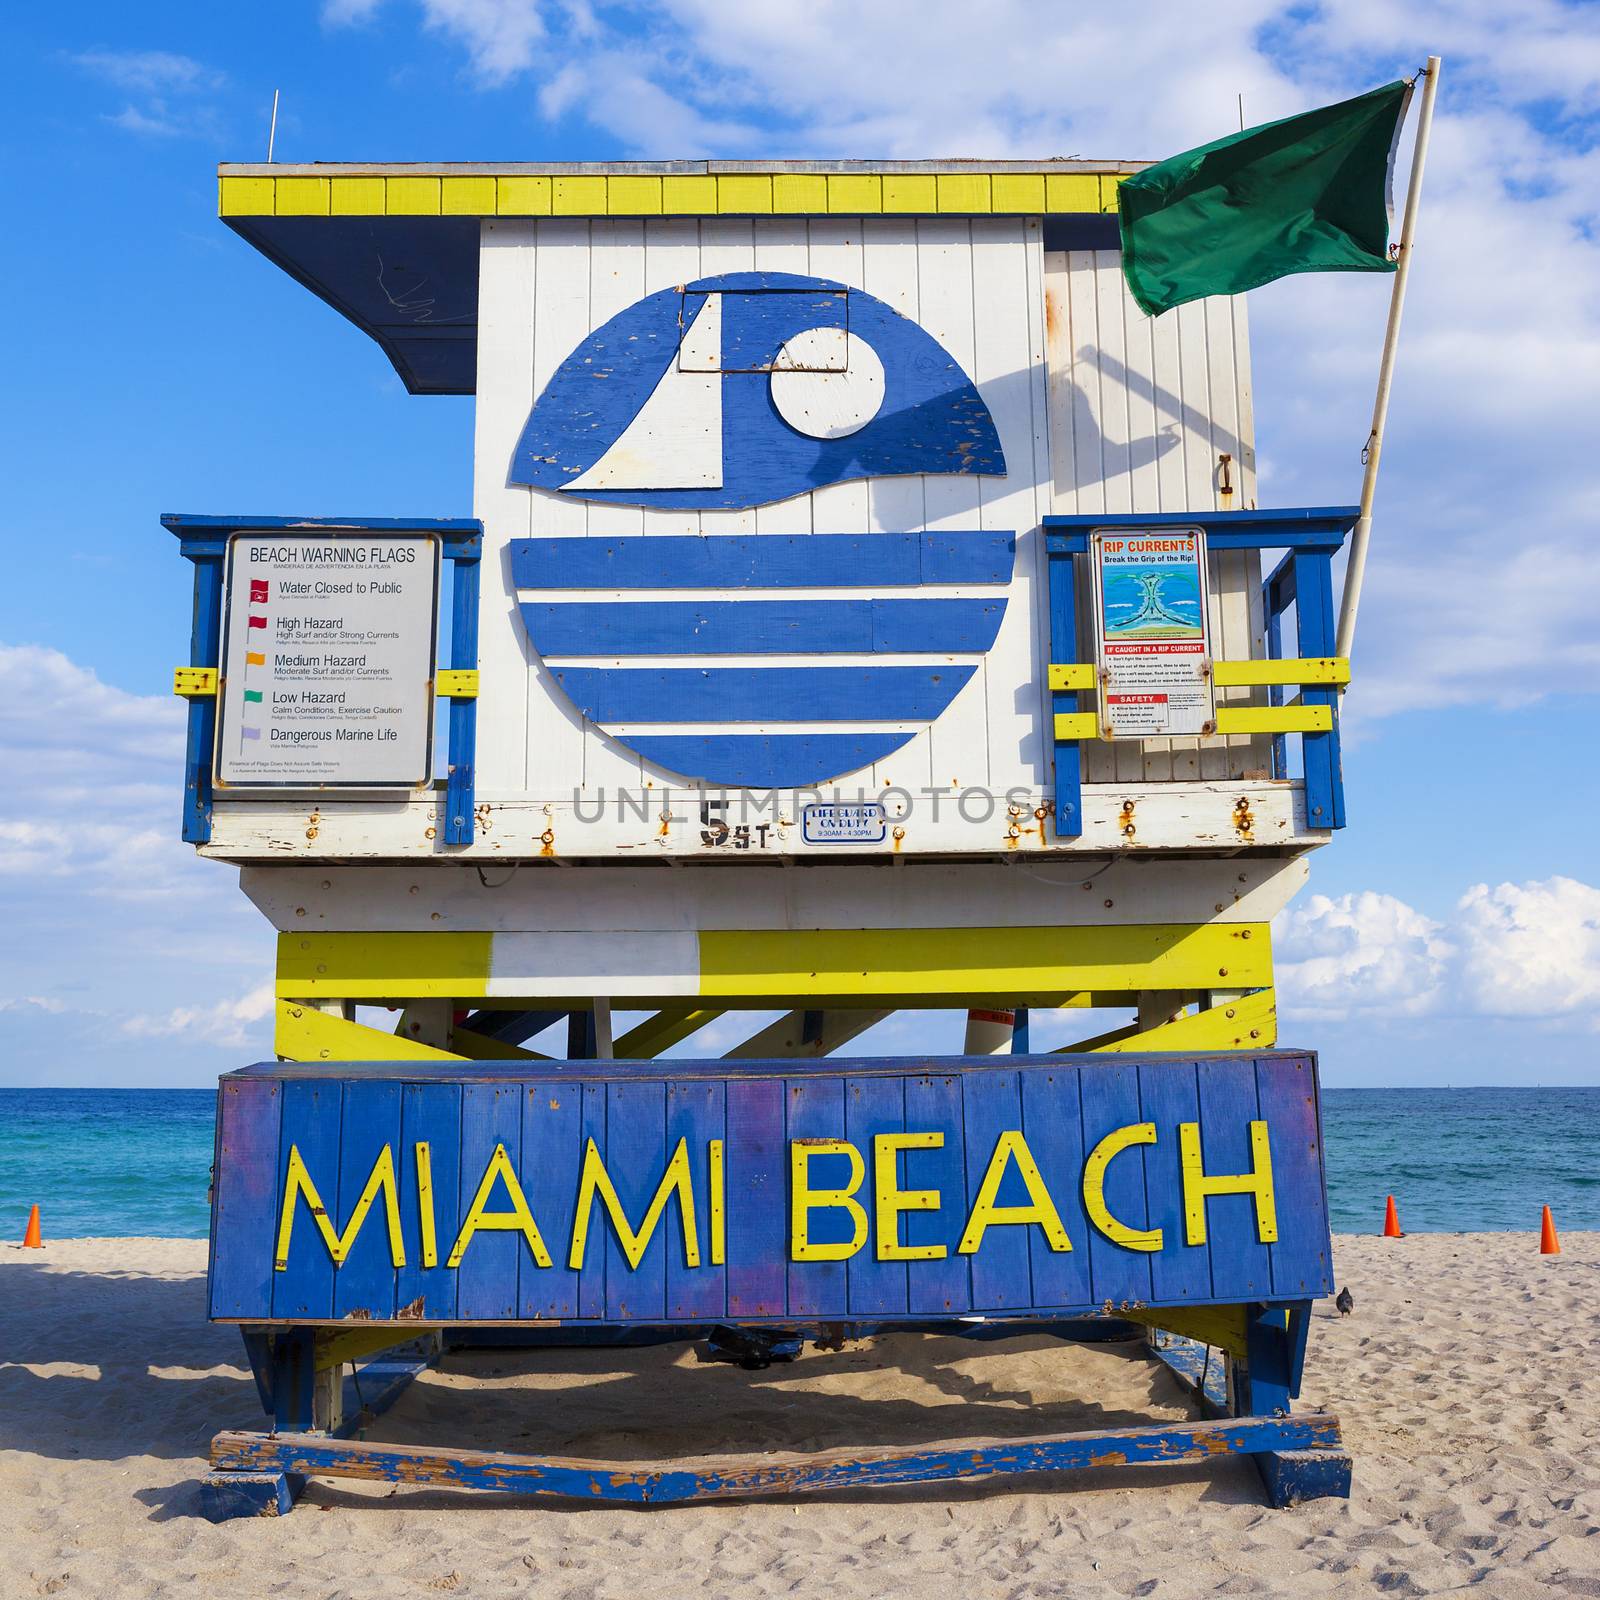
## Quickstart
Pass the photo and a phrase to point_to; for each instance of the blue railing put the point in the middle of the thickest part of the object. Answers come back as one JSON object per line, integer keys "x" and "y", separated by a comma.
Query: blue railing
{"x": 204, "y": 540}
{"x": 1310, "y": 538}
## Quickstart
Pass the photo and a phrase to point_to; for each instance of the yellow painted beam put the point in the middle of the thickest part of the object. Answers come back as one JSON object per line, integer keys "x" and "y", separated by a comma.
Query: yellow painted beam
{"x": 1072, "y": 191}
{"x": 799, "y": 193}
{"x": 894, "y": 963}
{"x": 1274, "y": 719}
{"x": 301, "y": 197}
{"x": 688, "y": 195}
{"x": 1077, "y": 725}
{"x": 853, "y": 191}
{"x": 744, "y": 192}
{"x": 412, "y": 197}
{"x": 1072, "y": 675}
{"x": 1321, "y": 670}
{"x": 456, "y": 683}
{"x": 660, "y": 1032}
{"x": 332, "y": 1347}
{"x": 964, "y": 192}
{"x": 244, "y": 197}
{"x": 1248, "y": 1023}
{"x": 197, "y": 681}
{"x": 305, "y": 1034}
{"x": 1018, "y": 191}
{"x": 356, "y": 197}
{"x": 1221, "y": 1327}
{"x": 579, "y": 195}
{"x": 910, "y": 191}
{"x": 467, "y": 196}
{"x": 382, "y": 966}
{"x": 480, "y": 1047}
{"x": 522, "y": 196}
{"x": 633, "y": 195}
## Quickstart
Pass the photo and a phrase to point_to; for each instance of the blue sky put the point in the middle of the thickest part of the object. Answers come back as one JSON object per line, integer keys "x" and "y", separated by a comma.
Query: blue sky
{"x": 156, "y": 363}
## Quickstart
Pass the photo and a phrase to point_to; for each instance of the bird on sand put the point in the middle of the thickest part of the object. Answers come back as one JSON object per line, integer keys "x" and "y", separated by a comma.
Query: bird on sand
{"x": 1345, "y": 1301}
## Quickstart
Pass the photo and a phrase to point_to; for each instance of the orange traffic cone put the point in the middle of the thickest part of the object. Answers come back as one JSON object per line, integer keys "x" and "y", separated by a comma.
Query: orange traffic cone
{"x": 32, "y": 1239}
{"x": 1391, "y": 1222}
{"x": 1549, "y": 1245}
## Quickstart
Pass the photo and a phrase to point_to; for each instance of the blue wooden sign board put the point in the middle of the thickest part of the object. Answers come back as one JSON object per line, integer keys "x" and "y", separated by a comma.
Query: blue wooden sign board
{"x": 708, "y": 1192}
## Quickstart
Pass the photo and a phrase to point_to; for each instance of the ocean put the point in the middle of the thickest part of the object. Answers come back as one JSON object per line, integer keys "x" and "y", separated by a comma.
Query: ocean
{"x": 125, "y": 1162}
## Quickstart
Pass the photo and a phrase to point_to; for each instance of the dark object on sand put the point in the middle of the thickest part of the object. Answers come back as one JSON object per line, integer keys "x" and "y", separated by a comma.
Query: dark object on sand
{"x": 1345, "y": 1301}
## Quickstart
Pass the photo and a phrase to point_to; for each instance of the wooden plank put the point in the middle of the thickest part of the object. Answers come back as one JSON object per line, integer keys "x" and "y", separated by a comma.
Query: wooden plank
{"x": 697, "y": 1114}
{"x": 429, "y": 1113}
{"x": 636, "y": 1157}
{"x": 991, "y": 1105}
{"x": 1274, "y": 719}
{"x": 486, "y": 1286}
{"x": 364, "y": 1282}
{"x": 758, "y": 1220}
{"x": 1240, "y": 1268}
{"x": 552, "y": 1125}
{"x": 942, "y": 1284}
{"x": 1168, "y": 1096}
{"x": 1169, "y": 1444}
{"x": 1325, "y": 669}
{"x": 874, "y": 1106}
{"x": 1053, "y": 1122}
{"x": 245, "y": 1199}
{"x": 814, "y": 1109}
{"x": 1110, "y": 1096}
{"x": 1286, "y": 1091}
{"x": 310, "y": 1125}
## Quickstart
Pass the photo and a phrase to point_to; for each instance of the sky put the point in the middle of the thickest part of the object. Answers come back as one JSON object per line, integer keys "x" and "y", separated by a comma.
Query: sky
{"x": 154, "y": 363}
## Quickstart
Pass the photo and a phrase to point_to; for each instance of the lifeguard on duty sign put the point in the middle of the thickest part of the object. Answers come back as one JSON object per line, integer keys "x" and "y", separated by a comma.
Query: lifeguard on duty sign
{"x": 1151, "y": 621}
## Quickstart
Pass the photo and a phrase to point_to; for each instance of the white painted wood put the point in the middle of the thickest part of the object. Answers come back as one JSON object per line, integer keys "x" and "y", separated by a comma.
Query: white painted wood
{"x": 452, "y": 897}
{"x": 827, "y": 383}
{"x": 671, "y": 259}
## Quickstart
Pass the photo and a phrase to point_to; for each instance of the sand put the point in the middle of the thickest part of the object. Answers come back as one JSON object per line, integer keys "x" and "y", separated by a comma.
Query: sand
{"x": 1468, "y": 1382}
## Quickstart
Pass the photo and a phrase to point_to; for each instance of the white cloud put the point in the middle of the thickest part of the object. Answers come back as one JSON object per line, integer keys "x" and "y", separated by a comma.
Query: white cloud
{"x": 1513, "y": 951}
{"x": 499, "y": 36}
{"x": 113, "y": 916}
{"x": 227, "y": 1022}
{"x": 149, "y": 71}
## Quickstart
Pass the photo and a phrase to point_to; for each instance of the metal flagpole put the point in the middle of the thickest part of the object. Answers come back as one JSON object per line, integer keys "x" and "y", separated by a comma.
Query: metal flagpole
{"x": 1357, "y": 567}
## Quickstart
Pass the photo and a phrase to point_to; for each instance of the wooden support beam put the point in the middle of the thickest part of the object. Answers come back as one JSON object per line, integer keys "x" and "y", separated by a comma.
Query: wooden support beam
{"x": 660, "y": 1032}
{"x": 1221, "y": 1327}
{"x": 739, "y": 1477}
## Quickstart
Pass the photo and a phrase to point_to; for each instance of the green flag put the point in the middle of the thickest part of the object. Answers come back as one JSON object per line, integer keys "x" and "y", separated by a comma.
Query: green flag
{"x": 1307, "y": 194}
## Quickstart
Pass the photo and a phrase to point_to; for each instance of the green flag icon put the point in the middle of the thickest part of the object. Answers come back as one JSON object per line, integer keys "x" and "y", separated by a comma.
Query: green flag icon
{"x": 1307, "y": 194}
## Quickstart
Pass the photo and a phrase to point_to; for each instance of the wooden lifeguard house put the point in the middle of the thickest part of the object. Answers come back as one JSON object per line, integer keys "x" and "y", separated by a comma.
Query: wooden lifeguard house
{"x": 864, "y": 607}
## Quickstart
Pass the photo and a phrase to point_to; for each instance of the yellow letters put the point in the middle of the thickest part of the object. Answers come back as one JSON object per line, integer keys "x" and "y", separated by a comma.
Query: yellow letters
{"x": 804, "y": 1199}
{"x": 1197, "y": 1186}
{"x": 1094, "y": 1187}
{"x": 596, "y": 1179}
{"x": 719, "y": 1210}
{"x": 430, "y": 1241}
{"x": 519, "y": 1219}
{"x": 1041, "y": 1208}
{"x": 298, "y": 1182}
{"x": 891, "y": 1199}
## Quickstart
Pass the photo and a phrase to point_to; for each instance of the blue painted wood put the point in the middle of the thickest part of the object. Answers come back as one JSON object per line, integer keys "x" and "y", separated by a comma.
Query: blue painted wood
{"x": 758, "y": 1199}
{"x": 487, "y": 1279}
{"x": 205, "y": 650}
{"x": 991, "y": 1104}
{"x": 185, "y": 524}
{"x": 759, "y": 627}
{"x": 1019, "y": 1031}
{"x": 1302, "y": 528}
{"x": 1263, "y": 1379}
{"x": 762, "y": 694}
{"x": 1110, "y": 1098}
{"x": 772, "y": 561}
{"x": 429, "y": 1112}
{"x": 1200, "y": 1372}
{"x": 243, "y": 1195}
{"x": 942, "y": 1285}
{"x": 364, "y": 1285}
{"x": 636, "y": 1111}
{"x": 311, "y": 1123}
{"x": 697, "y": 1114}
{"x": 1052, "y": 1118}
{"x": 874, "y": 1106}
{"x": 814, "y": 1109}
{"x": 932, "y": 419}
{"x": 636, "y": 1156}
{"x": 1168, "y": 1097}
{"x": 1240, "y": 1269}
{"x": 460, "y": 782}
{"x": 293, "y": 1378}
{"x": 1300, "y": 1262}
{"x": 765, "y": 760}
{"x": 552, "y": 1124}
{"x": 1167, "y": 1444}
{"x": 1317, "y": 626}
{"x": 1292, "y": 1477}
{"x": 1064, "y": 648}
{"x": 226, "y": 1495}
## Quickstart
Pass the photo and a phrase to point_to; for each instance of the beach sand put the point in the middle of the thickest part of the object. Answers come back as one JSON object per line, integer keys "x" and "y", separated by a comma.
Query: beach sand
{"x": 1467, "y": 1380}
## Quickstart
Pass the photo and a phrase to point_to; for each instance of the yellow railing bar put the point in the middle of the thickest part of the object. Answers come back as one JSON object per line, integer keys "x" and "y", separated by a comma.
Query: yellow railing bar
{"x": 197, "y": 681}
{"x": 456, "y": 683}
{"x": 1274, "y": 719}
{"x": 1320, "y": 670}
{"x": 1076, "y": 675}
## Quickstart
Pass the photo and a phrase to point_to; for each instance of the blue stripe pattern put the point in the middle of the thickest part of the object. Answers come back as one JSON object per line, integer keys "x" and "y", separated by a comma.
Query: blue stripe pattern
{"x": 760, "y": 627}
{"x": 770, "y": 561}
{"x": 718, "y": 622}
{"x": 761, "y": 694}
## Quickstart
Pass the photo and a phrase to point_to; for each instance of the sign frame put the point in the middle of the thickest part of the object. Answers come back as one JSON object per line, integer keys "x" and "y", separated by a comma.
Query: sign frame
{"x": 1158, "y": 650}
{"x": 357, "y": 788}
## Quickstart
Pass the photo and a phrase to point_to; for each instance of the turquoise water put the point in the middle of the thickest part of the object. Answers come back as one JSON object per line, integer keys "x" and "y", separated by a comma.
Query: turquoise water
{"x": 137, "y": 1161}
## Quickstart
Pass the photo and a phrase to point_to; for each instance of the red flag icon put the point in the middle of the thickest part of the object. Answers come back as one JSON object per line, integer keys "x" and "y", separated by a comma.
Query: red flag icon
{"x": 257, "y": 622}
{"x": 259, "y": 591}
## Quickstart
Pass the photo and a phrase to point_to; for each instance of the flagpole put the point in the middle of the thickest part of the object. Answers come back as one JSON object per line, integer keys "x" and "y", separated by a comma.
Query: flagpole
{"x": 1355, "y": 571}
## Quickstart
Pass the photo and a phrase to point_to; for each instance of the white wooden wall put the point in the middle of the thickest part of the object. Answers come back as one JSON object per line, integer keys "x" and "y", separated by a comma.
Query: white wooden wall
{"x": 1141, "y": 410}
{"x": 1131, "y": 418}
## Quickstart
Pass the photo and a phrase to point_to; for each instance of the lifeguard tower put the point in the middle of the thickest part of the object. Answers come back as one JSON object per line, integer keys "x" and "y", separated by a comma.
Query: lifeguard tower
{"x": 864, "y": 607}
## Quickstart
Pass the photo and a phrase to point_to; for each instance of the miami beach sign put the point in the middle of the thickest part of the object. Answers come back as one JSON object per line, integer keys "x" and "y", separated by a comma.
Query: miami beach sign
{"x": 618, "y": 1192}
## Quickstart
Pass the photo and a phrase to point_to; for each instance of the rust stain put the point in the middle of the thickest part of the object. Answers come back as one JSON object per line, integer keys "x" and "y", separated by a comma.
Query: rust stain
{"x": 547, "y": 842}
{"x": 1125, "y": 822}
{"x": 1244, "y": 820}
{"x": 411, "y": 1312}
